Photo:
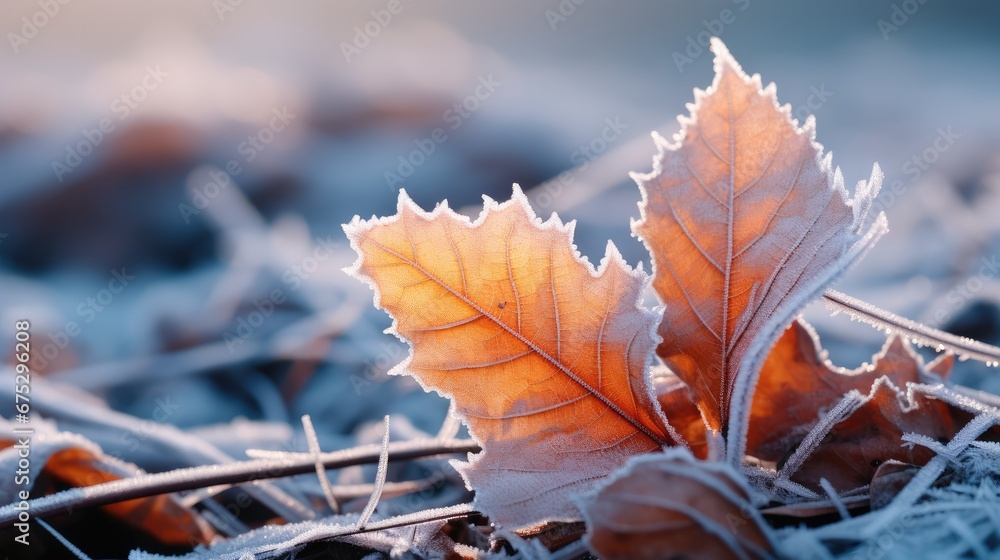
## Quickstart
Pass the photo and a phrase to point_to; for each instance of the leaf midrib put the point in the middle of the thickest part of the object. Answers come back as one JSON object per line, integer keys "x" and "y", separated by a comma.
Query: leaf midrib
{"x": 558, "y": 365}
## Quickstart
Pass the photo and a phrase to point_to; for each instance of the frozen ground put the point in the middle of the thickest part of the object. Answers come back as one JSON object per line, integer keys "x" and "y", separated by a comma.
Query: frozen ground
{"x": 235, "y": 318}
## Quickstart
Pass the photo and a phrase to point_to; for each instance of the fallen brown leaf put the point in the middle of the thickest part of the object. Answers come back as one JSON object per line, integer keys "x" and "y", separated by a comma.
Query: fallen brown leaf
{"x": 673, "y": 506}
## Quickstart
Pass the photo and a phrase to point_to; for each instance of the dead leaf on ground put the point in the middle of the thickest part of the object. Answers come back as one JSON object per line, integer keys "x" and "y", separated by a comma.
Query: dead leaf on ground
{"x": 161, "y": 517}
{"x": 673, "y": 506}
{"x": 798, "y": 385}
{"x": 889, "y": 479}
{"x": 855, "y": 448}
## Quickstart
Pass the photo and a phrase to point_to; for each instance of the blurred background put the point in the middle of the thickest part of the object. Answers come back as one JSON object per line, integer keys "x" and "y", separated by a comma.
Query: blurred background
{"x": 174, "y": 176}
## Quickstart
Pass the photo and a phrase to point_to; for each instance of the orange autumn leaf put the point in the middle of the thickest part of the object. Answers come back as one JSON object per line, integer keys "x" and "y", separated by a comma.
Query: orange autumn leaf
{"x": 746, "y": 222}
{"x": 545, "y": 358}
{"x": 672, "y": 506}
{"x": 161, "y": 517}
{"x": 681, "y": 411}
{"x": 798, "y": 385}
{"x": 941, "y": 367}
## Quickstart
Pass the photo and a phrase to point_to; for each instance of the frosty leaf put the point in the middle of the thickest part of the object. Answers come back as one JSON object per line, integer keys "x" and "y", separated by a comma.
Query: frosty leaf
{"x": 797, "y": 385}
{"x": 162, "y": 516}
{"x": 554, "y": 536}
{"x": 964, "y": 404}
{"x": 61, "y": 459}
{"x": 681, "y": 411}
{"x": 672, "y": 506}
{"x": 746, "y": 221}
{"x": 545, "y": 358}
{"x": 889, "y": 479}
{"x": 940, "y": 367}
{"x": 852, "y": 451}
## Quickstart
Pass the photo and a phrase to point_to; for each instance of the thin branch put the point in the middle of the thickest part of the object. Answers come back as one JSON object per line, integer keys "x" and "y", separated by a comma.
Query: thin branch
{"x": 321, "y": 532}
{"x": 244, "y": 472}
{"x": 416, "y": 518}
{"x": 963, "y": 347}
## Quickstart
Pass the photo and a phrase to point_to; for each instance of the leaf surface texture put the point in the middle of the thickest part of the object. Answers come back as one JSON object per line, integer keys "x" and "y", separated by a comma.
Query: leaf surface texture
{"x": 746, "y": 222}
{"x": 546, "y": 359}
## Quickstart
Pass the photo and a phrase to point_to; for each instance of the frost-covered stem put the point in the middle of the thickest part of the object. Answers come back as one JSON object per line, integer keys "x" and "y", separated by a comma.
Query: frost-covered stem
{"x": 383, "y": 469}
{"x": 314, "y": 450}
{"x": 882, "y": 319}
{"x": 243, "y": 472}
{"x": 328, "y": 531}
{"x": 415, "y": 518}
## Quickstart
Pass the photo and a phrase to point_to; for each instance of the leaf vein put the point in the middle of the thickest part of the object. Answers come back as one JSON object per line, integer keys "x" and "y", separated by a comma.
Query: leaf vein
{"x": 497, "y": 362}
{"x": 510, "y": 276}
{"x": 516, "y": 334}
{"x": 770, "y": 218}
{"x": 687, "y": 232}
